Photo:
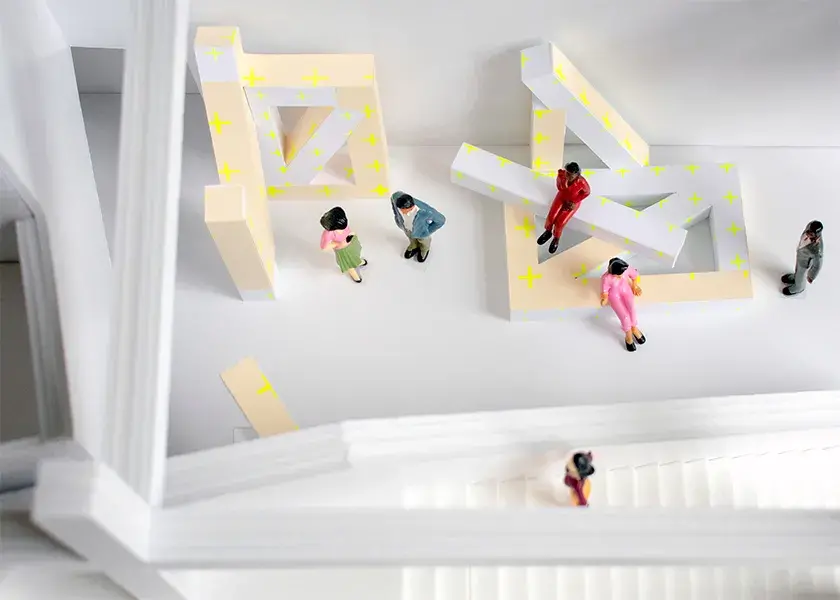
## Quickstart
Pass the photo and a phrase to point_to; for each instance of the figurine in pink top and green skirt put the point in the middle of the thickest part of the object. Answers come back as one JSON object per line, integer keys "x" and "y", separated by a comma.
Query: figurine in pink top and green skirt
{"x": 619, "y": 288}
{"x": 338, "y": 237}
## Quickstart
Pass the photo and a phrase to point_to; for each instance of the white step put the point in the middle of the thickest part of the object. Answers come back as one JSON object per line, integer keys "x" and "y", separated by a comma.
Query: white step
{"x": 418, "y": 582}
{"x": 451, "y": 583}
{"x": 513, "y": 581}
{"x": 484, "y": 581}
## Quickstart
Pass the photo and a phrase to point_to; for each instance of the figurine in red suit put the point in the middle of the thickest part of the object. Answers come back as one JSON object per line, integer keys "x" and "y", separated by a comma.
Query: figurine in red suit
{"x": 572, "y": 189}
{"x": 578, "y": 471}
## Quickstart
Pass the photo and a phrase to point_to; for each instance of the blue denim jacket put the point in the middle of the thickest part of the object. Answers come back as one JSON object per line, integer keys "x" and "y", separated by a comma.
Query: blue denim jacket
{"x": 426, "y": 221}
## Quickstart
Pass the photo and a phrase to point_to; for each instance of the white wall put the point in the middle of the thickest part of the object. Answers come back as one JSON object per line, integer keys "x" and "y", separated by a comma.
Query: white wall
{"x": 44, "y": 147}
{"x": 682, "y": 73}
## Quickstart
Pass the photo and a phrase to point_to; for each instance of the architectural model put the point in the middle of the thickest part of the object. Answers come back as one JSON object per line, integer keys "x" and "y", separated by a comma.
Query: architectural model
{"x": 548, "y": 290}
{"x": 256, "y": 397}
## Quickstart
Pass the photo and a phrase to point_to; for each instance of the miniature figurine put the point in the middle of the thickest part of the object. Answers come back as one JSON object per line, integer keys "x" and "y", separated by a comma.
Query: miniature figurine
{"x": 572, "y": 189}
{"x": 619, "y": 285}
{"x": 578, "y": 471}
{"x": 809, "y": 255}
{"x": 338, "y": 237}
{"x": 418, "y": 221}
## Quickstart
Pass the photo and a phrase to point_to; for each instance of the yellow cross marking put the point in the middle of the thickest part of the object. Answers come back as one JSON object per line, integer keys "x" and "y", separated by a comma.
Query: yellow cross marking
{"x": 646, "y": 162}
{"x": 251, "y": 78}
{"x": 469, "y": 148}
{"x": 527, "y": 226}
{"x": 538, "y": 174}
{"x": 349, "y": 171}
{"x": 217, "y": 123}
{"x": 606, "y": 120}
{"x": 273, "y": 191}
{"x": 538, "y": 163}
{"x": 368, "y": 111}
{"x": 523, "y": 59}
{"x": 492, "y": 188}
{"x": 232, "y": 37}
{"x": 737, "y": 261}
{"x": 692, "y": 168}
{"x": 734, "y": 228}
{"x": 695, "y": 199}
{"x": 660, "y": 254}
{"x": 267, "y": 387}
{"x": 283, "y": 169}
{"x": 662, "y": 202}
{"x": 592, "y": 227}
{"x": 312, "y": 129}
{"x": 214, "y": 52}
{"x": 638, "y": 214}
{"x": 315, "y": 78}
{"x": 380, "y": 190}
{"x": 627, "y": 143}
{"x": 376, "y": 165}
{"x": 691, "y": 275}
{"x": 272, "y": 134}
{"x": 503, "y": 161}
{"x": 657, "y": 170}
{"x": 227, "y": 171}
{"x": 588, "y": 172}
{"x": 559, "y": 72}
{"x": 604, "y": 200}
{"x": 260, "y": 95}
{"x": 278, "y": 152}
{"x": 540, "y": 138}
{"x": 267, "y": 115}
{"x": 583, "y": 99}
{"x": 627, "y": 241}
{"x": 525, "y": 201}
{"x": 726, "y": 167}
{"x": 301, "y": 96}
{"x": 746, "y": 273}
{"x": 622, "y": 172}
{"x": 582, "y": 272}
{"x": 689, "y": 220}
{"x": 316, "y": 152}
{"x": 327, "y": 190}
{"x": 459, "y": 175}
{"x": 348, "y": 115}
{"x": 731, "y": 197}
{"x": 671, "y": 227}
{"x": 541, "y": 112}
{"x": 371, "y": 139}
{"x": 530, "y": 276}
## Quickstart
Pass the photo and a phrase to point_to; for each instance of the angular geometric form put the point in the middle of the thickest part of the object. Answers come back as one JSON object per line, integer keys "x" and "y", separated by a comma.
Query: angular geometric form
{"x": 335, "y": 149}
{"x": 558, "y": 85}
{"x": 256, "y": 397}
{"x": 692, "y": 192}
{"x": 508, "y": 182}
{"x": 548, "y": 129}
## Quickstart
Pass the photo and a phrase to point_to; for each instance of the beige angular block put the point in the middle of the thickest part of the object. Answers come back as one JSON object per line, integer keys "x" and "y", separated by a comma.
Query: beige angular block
{"x": 548, "y": 137}
{"x": 257, "y": 398}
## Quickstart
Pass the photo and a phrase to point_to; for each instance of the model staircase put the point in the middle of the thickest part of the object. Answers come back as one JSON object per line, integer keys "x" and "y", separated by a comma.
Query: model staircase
{"x": 807, "y": 478}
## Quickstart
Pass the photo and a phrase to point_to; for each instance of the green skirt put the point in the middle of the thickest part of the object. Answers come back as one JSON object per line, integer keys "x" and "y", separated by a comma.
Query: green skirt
{"x": 350, "y": 256}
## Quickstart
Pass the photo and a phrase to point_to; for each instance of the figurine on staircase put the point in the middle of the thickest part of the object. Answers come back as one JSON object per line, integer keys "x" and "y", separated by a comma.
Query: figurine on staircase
{"x": 572, "y": 189}
{"x": 619, "y": 287}
{"x": 578, "y": 471}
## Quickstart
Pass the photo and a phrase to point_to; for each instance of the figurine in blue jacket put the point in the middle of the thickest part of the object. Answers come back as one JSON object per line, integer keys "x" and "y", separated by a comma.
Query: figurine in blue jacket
{"x": 418, "y": 221}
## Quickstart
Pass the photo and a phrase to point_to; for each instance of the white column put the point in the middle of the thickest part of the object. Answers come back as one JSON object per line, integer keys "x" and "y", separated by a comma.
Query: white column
{"x": 145, "y": 244}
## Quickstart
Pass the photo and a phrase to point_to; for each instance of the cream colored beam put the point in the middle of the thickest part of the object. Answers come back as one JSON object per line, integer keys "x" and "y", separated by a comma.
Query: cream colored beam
{"x": 257, "y": 398}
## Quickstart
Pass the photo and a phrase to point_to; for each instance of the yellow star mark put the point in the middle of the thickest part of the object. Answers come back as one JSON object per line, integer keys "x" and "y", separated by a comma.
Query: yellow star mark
{"x": 592, "y": 227}
{"x": 606, "y": 120}
{"x": 267, "y": 115}
{"x": 272, "y": 134}
{"x": 662, "y": 202}
{"x": 380, "y": 190}
{"x": 530, "y": 276}
{"x": 315, "y": 79}
{"x": 252, "y": 79}
{"x": 283, "y": 169}
{"x": 470, "y": 148}
{"x": 540, "y": 138}
{"x": 301, "y": 96}
{"x": 371, "y": 139}
{"x": 525, "y": 201}
{"x": 604, "y": 200}
{"x": 214, "y": 52}
{"x": 688, "y": 220}
{"x": 581, "y": 273}
{"x": 588, "y": 172}
{"x": 317, "y": 152}
{"x": 539, "y": 163}
{"x": 278, "y": 152}
{"x": 671, "y": 227}
{"x": 657, "y": 170}
{"x": 691, "y": 276}
{"x": 232, "y": 37}
{"x": 746, "y": 273}
{"x": 638, "y": 213}
{"x": 368, "y": 111}
{"x": 737, "y": 261}
{"x": 459, "y": 175}
{"x": 226, "y": 171}
{"x": 327, "y": 191}
{"x": 527, "y": 227}
{"x": 627, "y": 241}
{"x": 646, "y": 162}
{"x": 734, "y": 229}
{"x": 559, "y": 72}
{"x": 730, "y": 197}
{"x": 583, "y": 98}
{"x": 627, "y": 143}
{"x": 273, "y": 191}
{"x": 726, "y": 167}
{"x": 266, "y": 387}
{"x": 492, "y": 188}
{"x": 217, "y": 123}
{"x": 503, "y": 161}
{"x": 260, "y": 95}
{"x": 622, "y": 172}
{"x": 348, "y": 171}
{"x": 523, "y": 59}
{"x": 692, "y": 168}
{"x": 695, "y": 199}
{"x": 347, "y": 115}
{"x": 376, "y": 165}
{"x": 541, "y": 112}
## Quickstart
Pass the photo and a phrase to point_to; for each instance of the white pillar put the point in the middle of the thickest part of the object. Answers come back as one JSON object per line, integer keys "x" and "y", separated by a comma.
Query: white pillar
{"x": 145, "y": 244}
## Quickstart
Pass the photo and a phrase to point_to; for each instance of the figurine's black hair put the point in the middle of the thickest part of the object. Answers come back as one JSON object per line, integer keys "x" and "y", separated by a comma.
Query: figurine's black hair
{"x": 335, "y": 219}
{"x": 404, "y": 201}
{"x": 617, "y": 266}
{"x": 573, "y": 168}
{"x": 814, "y": 227}
{"x": 583, "y": 464}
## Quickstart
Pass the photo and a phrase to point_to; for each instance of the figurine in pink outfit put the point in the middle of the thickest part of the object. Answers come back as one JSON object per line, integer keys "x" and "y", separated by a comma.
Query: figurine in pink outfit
{"x": 619, "y": 286}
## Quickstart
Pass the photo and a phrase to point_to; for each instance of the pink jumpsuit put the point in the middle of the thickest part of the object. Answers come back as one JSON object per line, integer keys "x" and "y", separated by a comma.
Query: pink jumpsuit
{"x": 620, "y": 295}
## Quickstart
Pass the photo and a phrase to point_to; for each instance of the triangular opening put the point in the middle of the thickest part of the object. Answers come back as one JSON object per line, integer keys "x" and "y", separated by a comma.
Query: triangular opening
{"x": 299, "y": 124}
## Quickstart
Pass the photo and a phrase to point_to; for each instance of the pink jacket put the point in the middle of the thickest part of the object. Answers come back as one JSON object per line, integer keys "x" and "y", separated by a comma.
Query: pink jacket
{"x": 610, "y": 284}
{"x": 338, "y": 236}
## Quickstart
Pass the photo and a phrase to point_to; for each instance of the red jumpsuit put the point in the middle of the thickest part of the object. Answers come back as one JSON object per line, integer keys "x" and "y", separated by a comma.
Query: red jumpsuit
{"x": 573, "y": 194}
{"x": 579, "y": 490}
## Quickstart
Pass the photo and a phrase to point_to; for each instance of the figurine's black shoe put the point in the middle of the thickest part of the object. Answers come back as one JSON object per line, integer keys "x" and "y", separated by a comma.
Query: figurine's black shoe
{"x": 640, "y": 339}
{"x": 631, "y": 347}
{"x": 422, "y": 257}
{"x": 411, "y": 253}
{"x": 789, "y": 291}
{"x": 364, "y": 263}
{"x": 359, "y": 280}
{"x": 552, "y": 247}
{"x": 788, "y": 279}
{"x": 544, "y": 237}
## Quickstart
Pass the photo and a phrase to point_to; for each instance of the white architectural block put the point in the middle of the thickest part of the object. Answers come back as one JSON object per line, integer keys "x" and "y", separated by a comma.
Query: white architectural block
{"x": 557, "y": 84}
{"x": 499, "y": 178}
{"x": 218, "y": 65}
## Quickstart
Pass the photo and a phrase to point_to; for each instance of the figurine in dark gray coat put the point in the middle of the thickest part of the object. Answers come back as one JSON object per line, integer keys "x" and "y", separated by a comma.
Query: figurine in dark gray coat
{"x": 809, "y": 258}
